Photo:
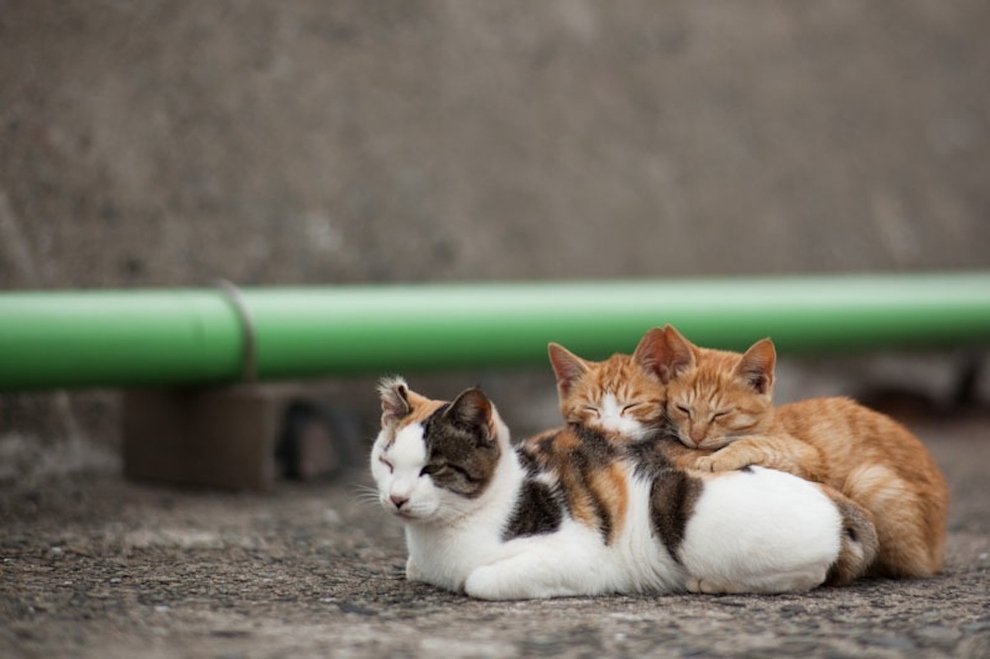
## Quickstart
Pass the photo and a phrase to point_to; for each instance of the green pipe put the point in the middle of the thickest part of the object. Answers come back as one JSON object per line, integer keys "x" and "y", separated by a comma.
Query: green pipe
{"x": 104, "y": 338}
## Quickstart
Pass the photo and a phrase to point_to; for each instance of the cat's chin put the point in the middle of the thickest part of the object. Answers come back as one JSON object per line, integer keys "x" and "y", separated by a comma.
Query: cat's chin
{"x": 707, "y": 444}
{"x": 411, "y": 517}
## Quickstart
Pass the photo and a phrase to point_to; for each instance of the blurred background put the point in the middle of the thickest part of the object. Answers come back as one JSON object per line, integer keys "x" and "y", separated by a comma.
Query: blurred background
{"x": 172, "y": 143}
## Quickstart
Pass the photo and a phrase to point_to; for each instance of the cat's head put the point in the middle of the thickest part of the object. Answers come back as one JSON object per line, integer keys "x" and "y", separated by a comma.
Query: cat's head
{"x": 716, "y": 396}
{"x": 621, "y": 397}
{"x": 432, "y": 459}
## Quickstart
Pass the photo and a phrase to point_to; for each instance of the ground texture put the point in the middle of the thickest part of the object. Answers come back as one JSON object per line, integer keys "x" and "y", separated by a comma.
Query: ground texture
{"x": 93, "y": 566}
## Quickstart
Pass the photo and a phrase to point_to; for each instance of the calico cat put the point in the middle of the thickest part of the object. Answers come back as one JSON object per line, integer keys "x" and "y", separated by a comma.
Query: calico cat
{"x": 722, "y": 401}
{"x": 574, "y": 513}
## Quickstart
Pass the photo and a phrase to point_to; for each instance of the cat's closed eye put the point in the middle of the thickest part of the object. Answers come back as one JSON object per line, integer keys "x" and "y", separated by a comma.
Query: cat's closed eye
{"x": 386, "y": 463}
{"x": 683, "y": 410}
{"x": 591, "y": 409}
{"x": 430, "y": 470}
{"x": 720, "y": 414}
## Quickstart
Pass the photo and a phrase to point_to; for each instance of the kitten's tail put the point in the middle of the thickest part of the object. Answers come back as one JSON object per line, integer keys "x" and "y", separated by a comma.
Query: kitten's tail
{"x": 859, "y": 541}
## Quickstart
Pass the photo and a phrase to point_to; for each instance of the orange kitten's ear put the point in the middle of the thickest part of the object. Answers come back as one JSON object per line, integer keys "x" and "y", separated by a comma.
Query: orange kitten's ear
{"x": 651, "y": 350}
{"x": 675, "y": 354}
{"x": 567, "y": 366}
{"x": 756, "y": 367}
{"x": 472, "y": 408}
{"x": 394, "y": 393}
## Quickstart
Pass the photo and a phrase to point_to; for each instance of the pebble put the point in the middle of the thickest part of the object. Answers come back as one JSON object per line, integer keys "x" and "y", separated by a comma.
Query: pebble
{"x": 938, "y": 635}
{"x": 893, "y": 642}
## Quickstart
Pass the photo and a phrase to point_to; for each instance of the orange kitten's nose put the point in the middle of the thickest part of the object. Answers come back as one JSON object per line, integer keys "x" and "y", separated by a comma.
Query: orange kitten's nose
{"x": 398, "y": 501}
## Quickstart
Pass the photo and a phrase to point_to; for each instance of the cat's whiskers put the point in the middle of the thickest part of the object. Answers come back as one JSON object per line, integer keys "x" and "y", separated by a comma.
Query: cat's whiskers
{"x": 365, "y": 495}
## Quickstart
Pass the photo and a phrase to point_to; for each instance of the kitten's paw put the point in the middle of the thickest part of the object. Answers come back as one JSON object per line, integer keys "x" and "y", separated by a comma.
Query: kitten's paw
{"x": 704, "y": 464}
{"x": 412, "y": 572}
{"x": 717, "y": 462}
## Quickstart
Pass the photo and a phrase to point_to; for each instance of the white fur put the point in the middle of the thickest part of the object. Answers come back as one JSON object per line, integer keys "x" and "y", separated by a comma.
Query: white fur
{"x": 761, "y": 531}
{"x": 613, "y": 419}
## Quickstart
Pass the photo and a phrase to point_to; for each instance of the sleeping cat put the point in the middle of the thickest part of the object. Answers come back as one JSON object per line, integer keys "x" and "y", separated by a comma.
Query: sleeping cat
{"x": 722, "y": 401}
{"x": 574, "y": 513}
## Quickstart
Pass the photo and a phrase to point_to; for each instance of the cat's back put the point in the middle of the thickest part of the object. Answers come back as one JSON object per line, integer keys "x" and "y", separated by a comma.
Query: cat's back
{"x": 587, "y": 473}
{"x": 851, "y": 434}
{"x": 884, "y": 467}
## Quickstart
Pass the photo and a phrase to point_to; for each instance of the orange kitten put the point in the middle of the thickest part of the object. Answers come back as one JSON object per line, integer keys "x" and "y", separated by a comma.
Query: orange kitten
{"x": 723, "y": 401}
{"x": 618, "y": 396}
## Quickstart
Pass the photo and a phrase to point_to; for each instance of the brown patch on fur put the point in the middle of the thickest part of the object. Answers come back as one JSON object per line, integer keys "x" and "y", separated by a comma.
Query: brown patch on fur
{"x": 610, "y": 487}
{"x": 401, "y": 406}
{"x": 673, "y": 496}
{"x": 421, "y": 411}
{"x": 593, "y": 480}
{"x": 859, "y": 545}
{"x": 461, "y": 444}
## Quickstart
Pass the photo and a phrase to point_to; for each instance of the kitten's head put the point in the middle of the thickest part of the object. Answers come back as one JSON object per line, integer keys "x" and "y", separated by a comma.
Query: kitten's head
{"x": 621, "y": 397}
{"x": 432, "y": 459}
{"x": 716, "y": 396}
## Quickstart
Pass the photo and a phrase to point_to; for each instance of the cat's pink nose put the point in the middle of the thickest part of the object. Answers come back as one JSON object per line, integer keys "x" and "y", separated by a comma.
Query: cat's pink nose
{"x": 398, "y": 501}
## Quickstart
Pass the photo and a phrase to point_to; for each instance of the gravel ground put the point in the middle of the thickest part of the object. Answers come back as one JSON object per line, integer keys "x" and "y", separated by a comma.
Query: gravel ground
{"x": 93, "y": 566}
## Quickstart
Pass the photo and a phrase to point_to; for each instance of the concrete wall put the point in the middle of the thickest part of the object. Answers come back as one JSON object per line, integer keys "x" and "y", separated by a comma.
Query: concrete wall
{"x": 173, "y": 142}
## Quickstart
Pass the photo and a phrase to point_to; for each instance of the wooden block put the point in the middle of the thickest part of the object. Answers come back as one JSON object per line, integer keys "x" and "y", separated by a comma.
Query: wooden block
{"x": 220, "y": 437}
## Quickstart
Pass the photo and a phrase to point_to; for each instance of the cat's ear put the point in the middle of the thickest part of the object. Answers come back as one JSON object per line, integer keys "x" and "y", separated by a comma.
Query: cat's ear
{"x": 756, "y": 367}
{"x": 568, "y": 367}
{"x": 394, "y": 393}
{"x": 472, "y": 409}
{"x": 674, "y": 354}
{"x": 650, "y": 352}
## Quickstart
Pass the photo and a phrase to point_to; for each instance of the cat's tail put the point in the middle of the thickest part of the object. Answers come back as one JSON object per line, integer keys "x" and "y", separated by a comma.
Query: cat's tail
{"x": 859, "y": 540}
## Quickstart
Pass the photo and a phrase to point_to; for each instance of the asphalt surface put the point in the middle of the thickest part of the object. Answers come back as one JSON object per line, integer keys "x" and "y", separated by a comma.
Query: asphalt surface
{"x": 93, "y": 566}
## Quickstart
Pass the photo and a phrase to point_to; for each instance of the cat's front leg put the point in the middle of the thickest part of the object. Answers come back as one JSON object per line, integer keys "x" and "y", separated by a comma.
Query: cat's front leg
{"x": 737, "y": 455}
{"x": 531, "y": 575}
{"x": 490, "y": 583}
{"x": 711, "y": 587}
{"x": 494, "y": 582}
{"x": 781, "y": 452}
{"x": 413, "y": 572}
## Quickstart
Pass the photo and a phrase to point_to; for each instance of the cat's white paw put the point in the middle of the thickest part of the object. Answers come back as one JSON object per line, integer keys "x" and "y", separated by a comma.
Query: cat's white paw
{"x": 485, "y": 583}
{"x": 412, "y": 572}
{"x": 492, "y": 582}
{"x": 709, "y": 587}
